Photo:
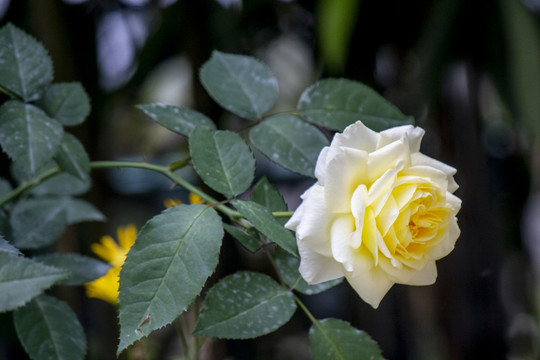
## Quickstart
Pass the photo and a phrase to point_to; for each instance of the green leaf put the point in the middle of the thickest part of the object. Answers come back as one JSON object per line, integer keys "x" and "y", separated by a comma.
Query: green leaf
{"x": 28, "y": 135}
{"x": 62, "y": 184}
{"x": 181, "y": 120}
{"x": 78, "y": 210}
{"x": 290, "y": 142}
{"x": 38, "y": 222}
{"x": 81, "y": 269}
{"x": 166, "y": 268}
{"x": 240, "y": 84}
{"x": 72, "y": 158}
{"x": 49, "y": 329}
{"x": 25, "y": 66}
{"x": 222, "y": 160}
{"x": 267, "y": 195}
{"x": 244, "y": 305}
{"x": 6, "y": 247}
{"x": 66, "y": 102}
{"x": 288, "y": 268}
{"x": 248, "y": 238}
{"x": 5, "y": 187}
{"x": 337, "y": 103}
{"x": 5, "y": 227}
{"x": 264, "y": 221}
{"x": 337, "y": 339}
{"x": 21, "y": 279}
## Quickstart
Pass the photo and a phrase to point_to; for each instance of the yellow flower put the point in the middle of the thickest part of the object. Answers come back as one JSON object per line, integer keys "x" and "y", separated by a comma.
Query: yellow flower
{"x": 106, "y": 287}
{"x": 380, "y": 213}
{"x": 171, "y": 202}
{"x": 193, "y": 199}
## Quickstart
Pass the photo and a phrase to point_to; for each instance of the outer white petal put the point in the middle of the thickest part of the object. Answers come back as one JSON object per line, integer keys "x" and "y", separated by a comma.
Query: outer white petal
{"x": 313, "y": 229}
{"x": 357, "y": 136}
{"x": 371, "y": 285}
{"x": 413, "y": 134}
{"x": 345, "y": 171}
{"x": 421, "y": 159}
{"x": 316, "y": 268}
{"x": 454, "y": 202}
{"x": 320, "y": 167}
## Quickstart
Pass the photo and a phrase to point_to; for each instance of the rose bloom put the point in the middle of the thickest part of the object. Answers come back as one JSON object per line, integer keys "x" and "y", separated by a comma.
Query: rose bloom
{"x": 380, "y": 212}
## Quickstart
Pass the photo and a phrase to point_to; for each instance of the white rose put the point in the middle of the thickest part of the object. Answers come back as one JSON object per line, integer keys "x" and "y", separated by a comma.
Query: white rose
{"x": 380, "y": 213}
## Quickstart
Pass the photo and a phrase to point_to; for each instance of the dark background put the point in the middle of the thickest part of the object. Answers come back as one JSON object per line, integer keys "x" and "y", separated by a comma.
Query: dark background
{"x": 468, "y": 71}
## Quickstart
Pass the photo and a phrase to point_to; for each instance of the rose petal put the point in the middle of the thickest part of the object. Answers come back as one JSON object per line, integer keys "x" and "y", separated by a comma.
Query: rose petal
{"x": 320, "y": 167}
{"x": 426, "y": 276}
{"x": 388, "y": 157}
{"x": 349, "y": 169}
{"x": 340, "y": 238}
{"x": 357, "y": 136}
{"x": 313, "y": 231}
{"x": 380, "y": 190}
{"x": 371, "y": 285}
{"x": 421, "y": 159}
{"x": 414, "y": 136}
{"x": 358, "y": 208}
{"x": 447, "y": 242}
{"x": 316, "y": 268}
{"x": 371, "y": 235}
{"x": 388, "y": 215}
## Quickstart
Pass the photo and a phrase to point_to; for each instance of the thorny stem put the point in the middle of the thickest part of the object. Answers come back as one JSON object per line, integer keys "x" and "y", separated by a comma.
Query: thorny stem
{"x": 27, "y": 185}
{"x": 167, "y": 171}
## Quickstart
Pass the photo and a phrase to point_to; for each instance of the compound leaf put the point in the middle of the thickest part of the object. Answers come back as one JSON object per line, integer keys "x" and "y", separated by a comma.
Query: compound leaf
{"x": 166, "y": 268}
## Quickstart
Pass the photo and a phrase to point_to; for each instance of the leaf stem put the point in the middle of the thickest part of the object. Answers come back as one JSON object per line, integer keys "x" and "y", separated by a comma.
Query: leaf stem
{"x": 165, "y": 170}
{"x": 11, "y": 95}
{"x": 282, "y": 213}
{"x": 29, "y": 184}
{"x": 305, "y": 310}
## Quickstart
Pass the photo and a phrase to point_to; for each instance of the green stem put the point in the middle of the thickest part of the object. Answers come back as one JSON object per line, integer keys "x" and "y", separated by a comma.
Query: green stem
{"x": 165, "y": 170}
{"x": 305, "y": 310}
{"x": 183, "y": 339}
{"x": 29, "y": 184}
{"x": 12, "y": 95}
{"x": 282, "y": 213}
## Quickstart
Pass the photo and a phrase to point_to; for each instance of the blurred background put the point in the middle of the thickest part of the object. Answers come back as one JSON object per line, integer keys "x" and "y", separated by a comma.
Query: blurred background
{"x": 468, "y": 71}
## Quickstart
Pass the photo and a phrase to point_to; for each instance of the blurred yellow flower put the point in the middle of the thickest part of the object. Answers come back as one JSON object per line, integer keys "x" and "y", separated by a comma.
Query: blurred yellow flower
{"x": 106, "y": 287}
{"x": 193, "y": 199}
{"x": 171, "y": 202}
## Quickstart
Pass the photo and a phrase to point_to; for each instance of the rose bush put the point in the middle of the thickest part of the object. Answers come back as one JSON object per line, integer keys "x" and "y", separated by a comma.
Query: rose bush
{"x": 380, "y": 213}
